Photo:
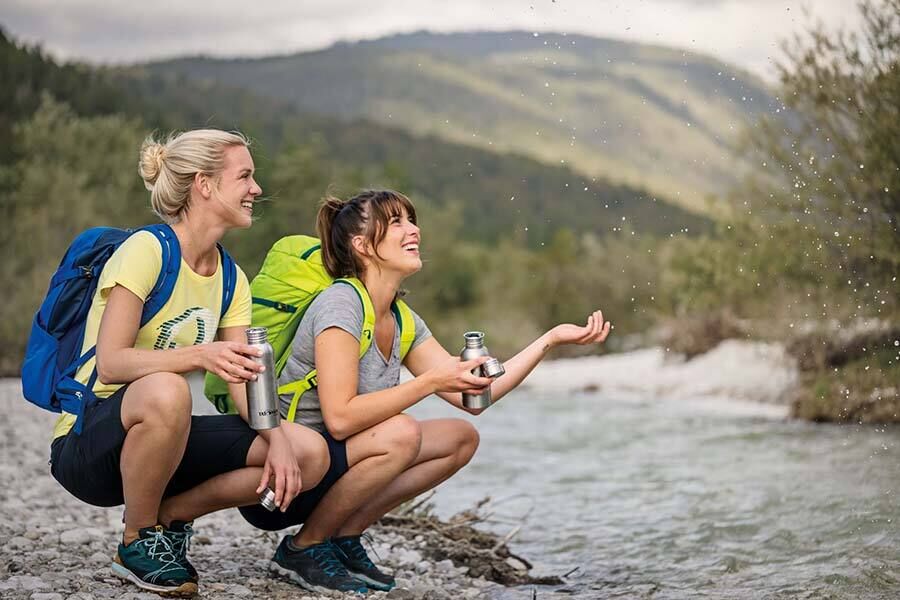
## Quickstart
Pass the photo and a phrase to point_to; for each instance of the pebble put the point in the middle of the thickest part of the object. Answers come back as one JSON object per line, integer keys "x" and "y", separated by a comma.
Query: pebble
{"x": 423, "y": 567}
{"x": 238, "y": 590}
{"x": 19, "y": 543}
{"x": 75, "y": 536}
{"x": 25, "y": 582}
{"x": 55, "y": 547}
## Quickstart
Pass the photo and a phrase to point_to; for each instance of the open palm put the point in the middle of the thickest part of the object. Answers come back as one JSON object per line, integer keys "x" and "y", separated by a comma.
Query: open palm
{"x": 594, "y": 331}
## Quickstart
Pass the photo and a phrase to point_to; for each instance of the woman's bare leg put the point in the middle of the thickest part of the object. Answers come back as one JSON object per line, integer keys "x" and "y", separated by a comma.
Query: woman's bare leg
{"x": 375, "y": 457}
{"x": 447, "y": 446}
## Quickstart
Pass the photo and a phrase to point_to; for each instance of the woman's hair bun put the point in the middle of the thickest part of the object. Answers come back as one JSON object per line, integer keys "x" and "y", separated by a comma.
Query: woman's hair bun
{"x": 153, "y": 154}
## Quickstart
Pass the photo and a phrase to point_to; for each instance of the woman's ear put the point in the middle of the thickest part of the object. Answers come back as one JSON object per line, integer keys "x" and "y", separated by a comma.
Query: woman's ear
{"x": 360, "y": 245}
{"x": 202, "y": 184}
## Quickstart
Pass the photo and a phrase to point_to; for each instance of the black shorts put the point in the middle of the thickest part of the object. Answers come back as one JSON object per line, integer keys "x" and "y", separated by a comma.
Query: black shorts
{"x": 87, "y": 465}
{"x": 301, "y": 507}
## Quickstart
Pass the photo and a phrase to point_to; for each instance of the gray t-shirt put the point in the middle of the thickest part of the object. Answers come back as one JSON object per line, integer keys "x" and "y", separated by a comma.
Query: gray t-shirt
{"x": 339, "y": 306}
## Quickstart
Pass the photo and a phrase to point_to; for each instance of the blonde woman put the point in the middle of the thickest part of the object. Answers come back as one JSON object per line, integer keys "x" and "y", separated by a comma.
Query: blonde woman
{"x": 139, "y": 444}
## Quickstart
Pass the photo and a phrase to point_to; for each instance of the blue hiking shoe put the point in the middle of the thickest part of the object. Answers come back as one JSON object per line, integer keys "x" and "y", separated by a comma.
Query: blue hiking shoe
{"x": 352, "y": 554}
{"x": 179, "y": 535}
{"x": 315, "y": 568}
{"x": 150, "y": 563}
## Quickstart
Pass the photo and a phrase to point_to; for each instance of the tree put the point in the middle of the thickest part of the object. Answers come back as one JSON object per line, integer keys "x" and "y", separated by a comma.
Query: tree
{"x": 830, "y": 160}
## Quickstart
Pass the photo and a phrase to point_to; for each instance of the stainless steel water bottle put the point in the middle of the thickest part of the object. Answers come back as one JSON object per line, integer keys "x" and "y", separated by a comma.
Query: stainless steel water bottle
{"x": 492, "y": 368}
{"x": 262, "y": 392}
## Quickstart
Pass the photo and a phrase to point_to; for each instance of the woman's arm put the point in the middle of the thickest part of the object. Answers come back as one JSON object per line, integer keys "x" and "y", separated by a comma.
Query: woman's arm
{"x": 118, "y": 361}
{"x": 430, "y": 354}
{"x": 347, "y": 412}
{"x": 281, "y": 462}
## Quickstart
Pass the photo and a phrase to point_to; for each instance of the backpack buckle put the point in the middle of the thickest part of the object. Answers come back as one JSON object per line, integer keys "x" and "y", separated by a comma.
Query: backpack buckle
{"x": 87, "y": 271}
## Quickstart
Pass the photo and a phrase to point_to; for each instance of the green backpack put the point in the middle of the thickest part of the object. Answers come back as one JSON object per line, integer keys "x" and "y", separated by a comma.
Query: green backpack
{"x": 291, "y": 277}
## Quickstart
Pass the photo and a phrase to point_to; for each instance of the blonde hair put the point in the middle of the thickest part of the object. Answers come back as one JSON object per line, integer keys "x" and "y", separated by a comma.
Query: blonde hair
{"x": 168, "y": 168}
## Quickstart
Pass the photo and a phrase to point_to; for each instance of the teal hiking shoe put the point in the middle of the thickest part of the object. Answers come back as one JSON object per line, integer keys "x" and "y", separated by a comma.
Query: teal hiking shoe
{"x": 150, "y": 563}
{"x": 179, "y": 535}
{"x": 315, "y": 568}
{"x": 353, "y": 556}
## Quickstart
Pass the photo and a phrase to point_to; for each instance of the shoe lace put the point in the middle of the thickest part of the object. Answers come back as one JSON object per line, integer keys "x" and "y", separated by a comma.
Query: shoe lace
{"x": 159, "y": 548}
{"x": 181, "y": 540}
{"x": 358, "y": 552}
{"x": 327, "y": 560}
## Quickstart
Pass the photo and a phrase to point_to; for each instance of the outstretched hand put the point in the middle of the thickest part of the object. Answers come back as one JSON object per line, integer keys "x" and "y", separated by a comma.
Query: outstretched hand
{"x": 594, "y": 331}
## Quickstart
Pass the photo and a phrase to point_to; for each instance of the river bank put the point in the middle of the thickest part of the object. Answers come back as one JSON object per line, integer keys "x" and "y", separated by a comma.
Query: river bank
{"x": 55, "y": 547}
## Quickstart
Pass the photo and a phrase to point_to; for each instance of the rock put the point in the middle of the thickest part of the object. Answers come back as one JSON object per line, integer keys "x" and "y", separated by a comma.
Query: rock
{"x": 80, "y": 596}
{"x": 238, "y": 590}
{"x": 99, "y": 558}
{"x": 46, "y": 596}
{"x": 19, "y": 543}
{"x": 32, "y": 535}
{"x": 423, "y": 567}
{"x": 29, "y": 583}
{"x": 75, "y": 536}
{"x": 400, "y": 594}
{"x": 408, "y": 557}
{"x": 445, "y": 566}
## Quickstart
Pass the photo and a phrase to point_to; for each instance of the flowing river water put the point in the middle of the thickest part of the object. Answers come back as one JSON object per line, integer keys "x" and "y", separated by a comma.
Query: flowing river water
{"x": 663, "y": 499}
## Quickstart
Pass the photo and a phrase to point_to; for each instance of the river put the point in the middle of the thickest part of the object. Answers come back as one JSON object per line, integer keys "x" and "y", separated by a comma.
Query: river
{"x": 680, "y": 499}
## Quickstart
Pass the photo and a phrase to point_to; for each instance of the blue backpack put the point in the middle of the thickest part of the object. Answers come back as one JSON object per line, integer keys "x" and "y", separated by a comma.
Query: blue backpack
{"x": 53, "y": 355}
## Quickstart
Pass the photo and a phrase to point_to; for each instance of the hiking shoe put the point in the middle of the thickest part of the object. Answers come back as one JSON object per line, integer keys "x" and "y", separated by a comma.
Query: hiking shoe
{"x": 352, "y": 554}
{"x": 179, "y": 535}
{"x": 149, "y": 562}
{"x": 315, "y": 568}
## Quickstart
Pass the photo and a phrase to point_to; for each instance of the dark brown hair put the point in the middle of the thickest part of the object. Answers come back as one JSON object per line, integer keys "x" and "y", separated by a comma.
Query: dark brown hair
{"x": 368, "y": 214}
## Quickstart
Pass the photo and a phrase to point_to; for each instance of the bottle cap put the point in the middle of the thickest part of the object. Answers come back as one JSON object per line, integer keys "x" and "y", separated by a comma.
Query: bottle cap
{"x": 267, "y": 499}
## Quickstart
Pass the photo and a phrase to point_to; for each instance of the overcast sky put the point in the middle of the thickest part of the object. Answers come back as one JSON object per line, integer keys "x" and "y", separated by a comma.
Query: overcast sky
{"x": 743, "y": 32}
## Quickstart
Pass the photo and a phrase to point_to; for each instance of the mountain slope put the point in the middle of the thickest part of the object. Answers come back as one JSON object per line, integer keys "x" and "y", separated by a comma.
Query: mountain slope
{"x": 648, "y": 116}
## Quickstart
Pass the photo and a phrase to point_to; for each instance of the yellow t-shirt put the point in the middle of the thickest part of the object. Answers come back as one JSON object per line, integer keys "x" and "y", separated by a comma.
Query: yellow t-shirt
{"x": 190, "y": 317}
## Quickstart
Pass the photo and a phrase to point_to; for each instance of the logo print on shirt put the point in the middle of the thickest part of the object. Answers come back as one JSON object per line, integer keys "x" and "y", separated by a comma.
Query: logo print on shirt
{"x": 168, "y": 331}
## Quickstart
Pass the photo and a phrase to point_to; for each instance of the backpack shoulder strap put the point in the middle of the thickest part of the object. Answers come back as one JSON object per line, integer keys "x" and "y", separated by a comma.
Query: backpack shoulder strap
{"x": 368, "y": 326}
{"x": 407, "y": 326}
{"x": 168, "y": 274}
{"x": 229, "y": 279}
{"x": 299, "y": 387}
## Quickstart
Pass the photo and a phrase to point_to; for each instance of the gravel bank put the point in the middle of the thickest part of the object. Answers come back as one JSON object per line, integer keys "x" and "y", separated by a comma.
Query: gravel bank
{"x": 55, "y": 547}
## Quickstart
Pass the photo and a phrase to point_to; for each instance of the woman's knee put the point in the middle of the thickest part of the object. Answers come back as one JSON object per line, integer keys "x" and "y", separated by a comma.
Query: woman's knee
{"x": 159, "y": 397}
{"x": 468, "y": 441}
{"x": 314, "y": 460}
{"x": 402, "y": 437}
{"x": 311, "y": 451}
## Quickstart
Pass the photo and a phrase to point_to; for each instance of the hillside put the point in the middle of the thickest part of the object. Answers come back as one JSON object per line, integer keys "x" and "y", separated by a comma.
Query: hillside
{"x": 653, "y": 117}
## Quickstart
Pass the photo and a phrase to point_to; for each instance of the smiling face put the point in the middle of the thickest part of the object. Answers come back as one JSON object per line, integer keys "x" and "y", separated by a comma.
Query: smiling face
{"x": 236, "y": 189}
{"x": 399, "y": 249}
